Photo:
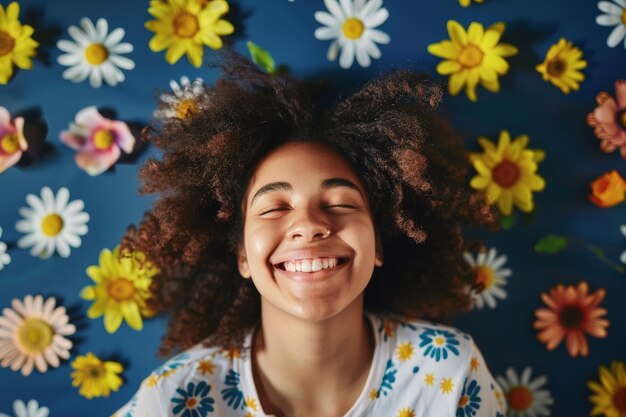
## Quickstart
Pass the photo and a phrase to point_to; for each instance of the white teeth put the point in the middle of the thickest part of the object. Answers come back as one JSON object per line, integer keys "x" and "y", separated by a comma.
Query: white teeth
{"x": 310, "y": 265}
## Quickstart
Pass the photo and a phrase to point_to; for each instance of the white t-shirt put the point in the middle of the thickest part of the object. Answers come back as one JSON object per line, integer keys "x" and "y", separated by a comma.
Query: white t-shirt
{"x": 419, "y": 369}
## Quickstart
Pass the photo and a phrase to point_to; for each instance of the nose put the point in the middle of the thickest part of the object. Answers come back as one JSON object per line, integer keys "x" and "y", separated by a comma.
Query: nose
{"x": 309, "y": 229}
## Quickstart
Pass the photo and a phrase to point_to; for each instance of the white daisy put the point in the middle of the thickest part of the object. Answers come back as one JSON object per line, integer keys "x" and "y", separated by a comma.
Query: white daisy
{"x": 32, "y": 335}
{"x": 186, "y": 99}
{"x": 95, "y": 53}
{"x": 523, "y": 395}
{"x": 31, "y": 409}
{"x": 615, "y": 16}
{"x": 351, "y": 25}
{"x": 51, "y": 223}
{"x": 5, "y": 259}
{"x": 489, "y": 273}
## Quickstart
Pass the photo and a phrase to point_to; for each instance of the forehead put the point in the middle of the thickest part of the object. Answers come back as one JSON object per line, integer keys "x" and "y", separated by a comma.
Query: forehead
{"x": 306, "y": 163}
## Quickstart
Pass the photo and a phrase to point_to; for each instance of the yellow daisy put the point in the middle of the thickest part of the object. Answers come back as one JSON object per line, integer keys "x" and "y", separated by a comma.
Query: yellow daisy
{"x": 96, "y": 378}
{"x": 121, "y": 290}
{"x": 16, "y": 43}
{"x": 406, "y": 412}
{"x": 466, "y": 3}
{"x": 185, "y": 26}
{"x": 507, "y": 172}
{"x": 562, "y": 66}
{"x": 609, "y": 394}
{"x": 404, "y": 351}
{"x": 473, "y": 57}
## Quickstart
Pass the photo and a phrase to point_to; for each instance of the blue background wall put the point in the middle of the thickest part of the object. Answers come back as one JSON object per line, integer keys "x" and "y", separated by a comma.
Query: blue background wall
{"x": 555, "y": 122}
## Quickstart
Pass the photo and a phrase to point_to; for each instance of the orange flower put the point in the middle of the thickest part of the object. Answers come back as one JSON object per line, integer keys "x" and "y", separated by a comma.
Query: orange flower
{"x": 572, "y": 312}
{"x": 608, "y": 190}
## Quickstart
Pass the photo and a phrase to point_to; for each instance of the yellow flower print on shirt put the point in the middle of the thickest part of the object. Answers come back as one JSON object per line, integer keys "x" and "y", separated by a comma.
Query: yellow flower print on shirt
{"x": 474, "y": 364}
{"x": 406, "y": 412}
{"x": 446, "y": 386}
{"x": 429, "y": 379}
{"x": 405, "y": 351}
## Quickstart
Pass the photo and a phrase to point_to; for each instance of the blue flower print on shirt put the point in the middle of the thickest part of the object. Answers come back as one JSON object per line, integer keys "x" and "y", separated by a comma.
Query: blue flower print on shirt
{"x": 233, "y": 395}
{"x": 438, "y": 343}
{"x": 388, "y": 379}
{"x": 469, "y": 402}
{"x": 193, "y": 402}
{"x": 168, "y": 367}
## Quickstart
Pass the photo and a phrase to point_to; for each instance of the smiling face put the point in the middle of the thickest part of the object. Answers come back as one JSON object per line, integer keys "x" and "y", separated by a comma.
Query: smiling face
{"x": 309, "y": 243}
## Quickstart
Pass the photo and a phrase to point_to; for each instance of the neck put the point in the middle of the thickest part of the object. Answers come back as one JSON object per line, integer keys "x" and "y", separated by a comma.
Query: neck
{"x": 306, "y": 367}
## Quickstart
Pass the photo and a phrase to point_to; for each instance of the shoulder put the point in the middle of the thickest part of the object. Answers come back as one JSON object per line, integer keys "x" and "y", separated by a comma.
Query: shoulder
{"x": 195, "y": 373}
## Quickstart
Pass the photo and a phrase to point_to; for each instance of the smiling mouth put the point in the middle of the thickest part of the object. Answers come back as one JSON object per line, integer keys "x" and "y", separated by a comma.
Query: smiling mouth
{"x": 310, "y": 264}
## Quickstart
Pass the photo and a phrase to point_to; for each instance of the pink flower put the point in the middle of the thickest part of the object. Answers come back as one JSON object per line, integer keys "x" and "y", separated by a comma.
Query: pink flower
{"x": 12, "y": 140}
{"x": 98, "y": 140}
{"x": 609, "y": 119}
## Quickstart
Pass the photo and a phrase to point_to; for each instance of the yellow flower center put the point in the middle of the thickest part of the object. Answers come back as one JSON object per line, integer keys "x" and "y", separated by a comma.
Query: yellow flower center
{"x": 556, "y": 67}
{"x": 470, "y": 56}
{"x": 440, "y": 341}
{"x": 186, "y": 108}
{"x": 624, "y": 16}
{"x": 7, "y": 43}
{"x": 95, "y": 371}
{"x": 9, "y": 143}
{"x": 121, "y": 289}
{"x": 506, "y": 173}
{"x": 619, "y": 400}
{"x": 621, "y": 119}
{"x": 484, "y": 276}
{"x": 96, "y": 53}
{"x": 571, "y": 317}
{"x": 52, "y": 224}
{"x": 186, "y": 25}
{"x": 353, "y": 28}
{"x": 35, "y": 335}
{"x": 519, "y": 398}
{"x": 103, "y": 139}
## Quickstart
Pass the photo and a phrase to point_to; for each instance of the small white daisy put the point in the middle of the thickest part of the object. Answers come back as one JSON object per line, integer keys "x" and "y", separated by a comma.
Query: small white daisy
{"x": 5, "y": 259}
{"x": 622, "y": 258}
{"x": 31, "y": 409}
{"x": 52, "y": 224}
{"x": 32, "y": 335}
{"x": 615, "y": 16}
{"x": 489, "y": 272}
{"x": 351, "y": 25}
{"x": 523, "y": 395}
{"x": 185, "y": 100}
{"x": 95, "y": 53}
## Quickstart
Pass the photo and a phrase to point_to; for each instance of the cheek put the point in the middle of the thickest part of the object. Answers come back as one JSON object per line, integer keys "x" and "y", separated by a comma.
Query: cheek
{"x": 260, "y": 241}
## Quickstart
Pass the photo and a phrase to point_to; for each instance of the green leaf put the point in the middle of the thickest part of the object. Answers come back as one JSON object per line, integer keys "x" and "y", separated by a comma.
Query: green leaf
{"x": 261, "y": 57}
{"x": 551, "y": 244}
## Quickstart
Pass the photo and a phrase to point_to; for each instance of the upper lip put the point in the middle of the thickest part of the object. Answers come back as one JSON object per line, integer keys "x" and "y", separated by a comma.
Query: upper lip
{"x": 307, "y": 254}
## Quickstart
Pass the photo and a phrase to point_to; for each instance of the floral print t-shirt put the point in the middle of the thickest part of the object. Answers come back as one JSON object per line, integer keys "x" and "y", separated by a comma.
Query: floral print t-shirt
{"x": 419, "y": 369}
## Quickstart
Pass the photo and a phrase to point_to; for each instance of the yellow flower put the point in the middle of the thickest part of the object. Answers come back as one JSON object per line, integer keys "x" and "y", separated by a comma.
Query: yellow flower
{"x": 562, "y": 66}
{"x": 507, "y": 172}
{"x": 406, "y": 412}
{"x": 610, "y": 393}
{"x": 185, "y": 26}
{"x": 466, "y": 3}
{"x": 446, "y": 385}
{"x": 404, "y": 351}
{"x": 121, "y": 290}
{"x": 473, "y": 57}
{"x": 16, "y": 44}
{"x": 95, "y": 377}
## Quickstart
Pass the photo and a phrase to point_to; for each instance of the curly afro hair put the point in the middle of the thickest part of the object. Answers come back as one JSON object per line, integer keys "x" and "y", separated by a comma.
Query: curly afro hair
{"x": 411, "y": 162}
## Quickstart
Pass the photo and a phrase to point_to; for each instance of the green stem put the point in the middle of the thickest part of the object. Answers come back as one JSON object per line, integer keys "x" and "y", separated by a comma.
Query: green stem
{"x": 598, "y": 252}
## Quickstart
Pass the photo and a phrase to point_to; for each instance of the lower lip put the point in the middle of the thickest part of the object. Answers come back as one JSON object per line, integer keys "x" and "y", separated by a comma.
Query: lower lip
{"x": 312, "y": 276}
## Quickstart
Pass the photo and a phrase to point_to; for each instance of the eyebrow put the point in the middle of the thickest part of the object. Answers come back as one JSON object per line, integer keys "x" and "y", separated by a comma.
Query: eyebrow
{"x": 285, "y": 186}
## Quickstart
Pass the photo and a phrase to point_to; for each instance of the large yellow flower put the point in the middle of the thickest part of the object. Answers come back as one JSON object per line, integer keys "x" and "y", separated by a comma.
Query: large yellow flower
{"x": 185, "y": 26}
{"x": 121, "y": 290}
{"x": 16, "y": 44}
{"x": 96, "y": 378}
{"x": 562, "y": 66}
{"x": 609, "y": 394}
{"x": 507, "y": 172}
{"x": 473, "y": 57}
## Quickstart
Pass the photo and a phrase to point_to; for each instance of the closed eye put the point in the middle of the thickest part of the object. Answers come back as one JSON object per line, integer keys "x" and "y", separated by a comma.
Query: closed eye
{"x": 274, "y": 209}
{"x": 341, "y": 206}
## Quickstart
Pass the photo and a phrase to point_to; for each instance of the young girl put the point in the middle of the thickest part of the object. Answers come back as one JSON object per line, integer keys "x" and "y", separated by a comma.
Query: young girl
{"x": 298, "y": 245}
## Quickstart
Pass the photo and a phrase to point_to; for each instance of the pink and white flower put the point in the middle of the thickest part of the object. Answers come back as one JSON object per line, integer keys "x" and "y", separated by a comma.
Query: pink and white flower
{"x": 99, "y": 141}
{"x": 609, "y": 119}
{"x": 12, "y": 140}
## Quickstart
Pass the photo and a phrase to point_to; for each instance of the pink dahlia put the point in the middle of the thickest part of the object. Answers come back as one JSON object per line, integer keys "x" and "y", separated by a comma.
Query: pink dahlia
{"x": 12, "y": 141}
{"x": 609, "y": 119}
